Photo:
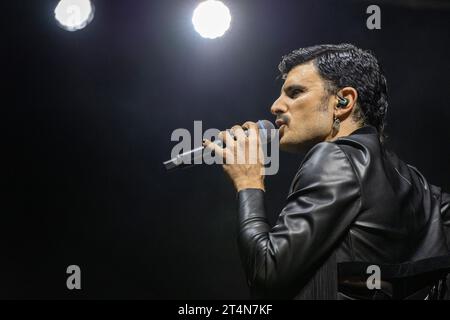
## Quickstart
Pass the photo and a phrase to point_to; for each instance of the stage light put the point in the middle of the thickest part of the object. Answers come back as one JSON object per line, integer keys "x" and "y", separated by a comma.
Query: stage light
{"x": 73, "y": 15}
{"x": 211, "y": 19}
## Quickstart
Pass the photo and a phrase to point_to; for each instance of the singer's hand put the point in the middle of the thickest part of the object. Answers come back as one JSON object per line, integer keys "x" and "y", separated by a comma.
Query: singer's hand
{"x": 242, "y": 156}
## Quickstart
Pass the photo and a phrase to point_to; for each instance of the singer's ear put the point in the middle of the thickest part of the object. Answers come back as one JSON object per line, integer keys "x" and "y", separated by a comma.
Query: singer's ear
{"x": 351, "y": 96}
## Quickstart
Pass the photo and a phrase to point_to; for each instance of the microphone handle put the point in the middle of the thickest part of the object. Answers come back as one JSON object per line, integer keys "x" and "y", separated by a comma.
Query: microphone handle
{"x": 179, "y": 162}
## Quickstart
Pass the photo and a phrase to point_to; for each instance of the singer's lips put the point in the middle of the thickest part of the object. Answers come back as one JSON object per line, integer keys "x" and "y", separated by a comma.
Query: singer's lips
{"x": 279, "y": 122}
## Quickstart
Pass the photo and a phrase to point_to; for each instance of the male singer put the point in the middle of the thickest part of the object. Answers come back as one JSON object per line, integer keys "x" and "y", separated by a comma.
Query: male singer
{"x": 351, "y": 204}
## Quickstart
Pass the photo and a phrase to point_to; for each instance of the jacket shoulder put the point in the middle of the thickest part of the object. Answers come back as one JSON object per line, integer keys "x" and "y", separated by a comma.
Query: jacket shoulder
{"x": 324, "y": 162}
{"x": 322, "y": 158}
{"x": 364, "y": 152}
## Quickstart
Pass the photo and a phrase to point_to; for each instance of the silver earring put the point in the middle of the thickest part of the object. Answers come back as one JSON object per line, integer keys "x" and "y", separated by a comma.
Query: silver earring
{"x": 336, "y": 125}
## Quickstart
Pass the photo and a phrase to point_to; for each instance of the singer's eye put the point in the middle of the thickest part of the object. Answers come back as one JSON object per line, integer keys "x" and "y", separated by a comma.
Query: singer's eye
{"x": 295, "y": 93}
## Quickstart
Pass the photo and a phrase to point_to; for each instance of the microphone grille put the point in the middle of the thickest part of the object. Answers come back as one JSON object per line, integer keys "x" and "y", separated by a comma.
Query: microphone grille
{"x": 265, "y": 124}
{"x": 266, "y": 130}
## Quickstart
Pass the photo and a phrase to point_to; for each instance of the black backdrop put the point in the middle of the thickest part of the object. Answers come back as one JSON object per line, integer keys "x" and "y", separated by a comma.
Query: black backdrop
{"x": 88, "y": 116}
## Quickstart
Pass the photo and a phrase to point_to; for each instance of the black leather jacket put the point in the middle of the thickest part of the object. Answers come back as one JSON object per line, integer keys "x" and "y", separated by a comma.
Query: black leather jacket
{"x": 350, "y": 201}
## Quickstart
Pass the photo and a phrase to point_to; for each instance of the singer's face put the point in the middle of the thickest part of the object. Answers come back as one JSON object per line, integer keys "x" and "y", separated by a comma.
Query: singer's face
{"x": 304, "y": 109}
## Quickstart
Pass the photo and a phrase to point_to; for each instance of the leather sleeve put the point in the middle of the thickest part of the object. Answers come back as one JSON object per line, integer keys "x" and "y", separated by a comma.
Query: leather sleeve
{"x": 445, "y": 212}
{"x": 325, "y": 199}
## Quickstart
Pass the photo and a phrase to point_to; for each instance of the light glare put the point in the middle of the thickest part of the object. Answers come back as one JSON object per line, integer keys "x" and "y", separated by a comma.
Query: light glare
{"x": 211, "y": 19}
{"x": 74, "y": 15}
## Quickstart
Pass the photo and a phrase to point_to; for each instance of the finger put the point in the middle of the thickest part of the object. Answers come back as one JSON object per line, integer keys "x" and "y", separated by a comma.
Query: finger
{"x": 250, "y": 125}
{"x": 223, "y": 153}
{"x": 214, "y": 147}
{"x": 252, "y": 129}
{"x": 238, "y": 132}
{"x": 227, "y": 138}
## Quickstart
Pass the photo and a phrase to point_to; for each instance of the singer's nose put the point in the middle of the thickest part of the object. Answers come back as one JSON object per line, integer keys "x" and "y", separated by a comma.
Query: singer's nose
{"x": 278, "y": 107}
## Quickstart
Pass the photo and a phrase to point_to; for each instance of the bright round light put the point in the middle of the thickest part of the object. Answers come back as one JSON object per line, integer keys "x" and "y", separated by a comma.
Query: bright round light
{"x": 211, "y": 19}
{"x": 74, "y": 15}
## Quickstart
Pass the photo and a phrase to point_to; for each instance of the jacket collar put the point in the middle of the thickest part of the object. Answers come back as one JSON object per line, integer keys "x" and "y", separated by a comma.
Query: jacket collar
{"x": 367, "y": 129}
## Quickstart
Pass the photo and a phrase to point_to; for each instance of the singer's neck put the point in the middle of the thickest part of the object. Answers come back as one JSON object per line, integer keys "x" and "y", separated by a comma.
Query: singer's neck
{"x": 346, "y": 128}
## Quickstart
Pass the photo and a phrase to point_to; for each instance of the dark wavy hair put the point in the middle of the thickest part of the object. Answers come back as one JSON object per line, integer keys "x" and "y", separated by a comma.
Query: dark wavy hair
{"x": 345, "y": 65}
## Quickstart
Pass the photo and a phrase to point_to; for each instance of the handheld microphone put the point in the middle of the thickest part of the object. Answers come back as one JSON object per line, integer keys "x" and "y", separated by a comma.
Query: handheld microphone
{"x": 188, "y": 158}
